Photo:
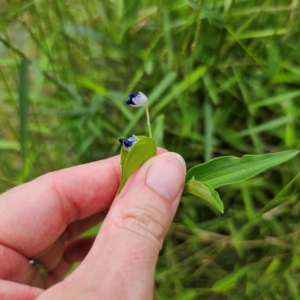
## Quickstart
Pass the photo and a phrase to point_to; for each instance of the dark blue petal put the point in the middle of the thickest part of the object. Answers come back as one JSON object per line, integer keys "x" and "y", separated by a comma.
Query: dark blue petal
{"x": 129, "y": 101}
{"x": 128, "y": 143}
{"x": 132, "y": 95}
{"x": 122, "y": 141}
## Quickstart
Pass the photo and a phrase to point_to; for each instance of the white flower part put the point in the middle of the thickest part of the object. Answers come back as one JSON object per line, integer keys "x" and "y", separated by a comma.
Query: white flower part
{"x": 140, "y": 100}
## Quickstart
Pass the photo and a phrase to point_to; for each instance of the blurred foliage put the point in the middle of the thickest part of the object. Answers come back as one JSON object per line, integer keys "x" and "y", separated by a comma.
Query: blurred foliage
{"x": 222, "y": 77}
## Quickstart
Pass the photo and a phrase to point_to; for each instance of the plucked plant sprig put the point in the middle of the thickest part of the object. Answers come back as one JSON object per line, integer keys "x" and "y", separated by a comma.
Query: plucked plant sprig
{"x": 202, "y": 179}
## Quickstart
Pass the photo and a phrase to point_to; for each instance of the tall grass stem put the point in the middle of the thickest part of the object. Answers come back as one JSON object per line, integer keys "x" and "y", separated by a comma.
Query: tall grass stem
{"x": 148, "y": 121}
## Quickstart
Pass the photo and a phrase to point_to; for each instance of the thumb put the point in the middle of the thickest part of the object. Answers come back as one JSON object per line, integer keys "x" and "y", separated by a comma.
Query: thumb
{"x": 124, "y": 255}
{"x": 148, "y": 203}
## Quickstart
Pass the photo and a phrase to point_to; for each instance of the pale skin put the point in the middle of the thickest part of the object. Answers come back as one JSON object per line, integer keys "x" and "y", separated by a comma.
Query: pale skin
{"x": 43, "y": 220}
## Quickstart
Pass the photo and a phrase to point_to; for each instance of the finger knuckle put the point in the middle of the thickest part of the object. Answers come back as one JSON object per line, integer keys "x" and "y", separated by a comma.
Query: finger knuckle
{"x": 145, "y": 222}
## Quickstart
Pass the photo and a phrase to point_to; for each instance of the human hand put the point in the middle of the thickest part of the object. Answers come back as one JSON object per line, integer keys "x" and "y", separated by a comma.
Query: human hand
{"x": 43, "y": 219}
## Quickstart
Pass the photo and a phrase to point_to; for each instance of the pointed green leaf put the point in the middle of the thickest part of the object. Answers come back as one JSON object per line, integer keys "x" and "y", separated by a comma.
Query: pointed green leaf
{"x": 188, "y": 294}
{"x": 9, "y": 145}
{"x": 230, "y": 281}
{"x": 229, "y": 169}
{"x": 23, "y": 101}
{"x": 124, "y": 154}
{"x": 158, "y": 130}
{"x": 205, "y": 192}
{"x": 144, "y": 149}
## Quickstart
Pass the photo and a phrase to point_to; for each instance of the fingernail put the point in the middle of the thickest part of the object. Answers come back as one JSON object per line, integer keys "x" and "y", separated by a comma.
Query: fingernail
{"x": 166, "y": 175}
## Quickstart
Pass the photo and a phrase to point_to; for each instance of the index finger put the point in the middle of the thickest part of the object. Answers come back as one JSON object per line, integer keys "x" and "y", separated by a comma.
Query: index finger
{"x": 34, "y": 215}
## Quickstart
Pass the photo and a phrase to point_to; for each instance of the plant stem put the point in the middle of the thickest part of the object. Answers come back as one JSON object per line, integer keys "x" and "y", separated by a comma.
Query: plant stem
{"x": 148, "y": 121}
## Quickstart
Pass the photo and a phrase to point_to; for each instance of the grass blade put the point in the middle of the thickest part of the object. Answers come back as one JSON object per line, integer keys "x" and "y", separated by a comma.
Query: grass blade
{"x": 23, "y": 102}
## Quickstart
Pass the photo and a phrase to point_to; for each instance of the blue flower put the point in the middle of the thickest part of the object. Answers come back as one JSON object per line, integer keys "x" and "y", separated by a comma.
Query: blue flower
{"x": 137, "y": 100}
{"x": 128, "y": 143}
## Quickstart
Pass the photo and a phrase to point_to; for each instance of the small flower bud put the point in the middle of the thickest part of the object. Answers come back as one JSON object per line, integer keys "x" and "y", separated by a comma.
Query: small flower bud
{"x": 137, "y": 100}
{"x": 127, "y": 144}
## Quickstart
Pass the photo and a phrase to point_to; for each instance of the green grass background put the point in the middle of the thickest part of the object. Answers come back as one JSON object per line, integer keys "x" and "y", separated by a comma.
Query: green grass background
{"x": 222, "y": 77}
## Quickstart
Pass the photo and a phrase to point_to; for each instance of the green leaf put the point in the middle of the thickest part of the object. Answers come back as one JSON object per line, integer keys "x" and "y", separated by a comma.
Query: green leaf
{"x": 158, "y": 130}
{"x": 270, "y": 125}
{"x": 132, "y": 160}
{"x": 9, "y": 145}
{"x": 205, "y": 192}
{"x": 23, "y": 101}
{"x": 188, "y": 294}
{"x": 179, "y": 88}
{"x": 230, "y": 281}
{"x": 276, "y": 99}
{"x": 124, "y": 154}
{"x": 229, "y": 169}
